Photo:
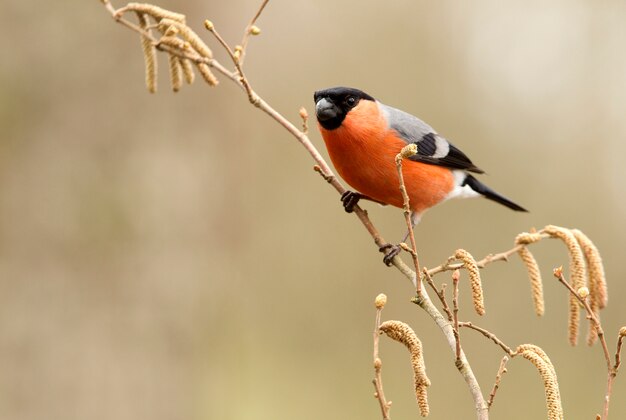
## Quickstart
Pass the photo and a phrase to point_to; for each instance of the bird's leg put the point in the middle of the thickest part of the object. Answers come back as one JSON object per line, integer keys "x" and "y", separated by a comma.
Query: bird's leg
{"x": 351, "y": 199}
{"x": 395, "y": 249}
{"x": 390, "y": 250}
{"x": 408, "y": 232}
{"x": 415, "y": 219}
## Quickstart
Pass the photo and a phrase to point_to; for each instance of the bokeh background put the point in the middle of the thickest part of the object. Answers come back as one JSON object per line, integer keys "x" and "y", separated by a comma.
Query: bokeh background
{"x": 173, "y": 256}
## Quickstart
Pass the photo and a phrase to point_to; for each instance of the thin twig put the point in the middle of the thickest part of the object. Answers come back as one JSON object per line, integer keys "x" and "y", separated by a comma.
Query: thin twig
{"x": 455, "y": 305}
{"x": 620, "y": 339}
{"x": 501, "y": 256}
{"x": 247, "y": 32}
{"x": 252, "y": 96}
{"x": 489, "y": 335}
{"x": 378, "y": 378}
{"x": 439, "y": 293}
{"x": 211, "y": 28}
{"x": 501, "y": 371}
{"x": 408, "y": 151}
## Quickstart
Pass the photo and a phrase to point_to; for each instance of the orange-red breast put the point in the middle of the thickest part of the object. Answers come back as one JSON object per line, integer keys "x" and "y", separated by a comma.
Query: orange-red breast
{"x": 363, "y": 136}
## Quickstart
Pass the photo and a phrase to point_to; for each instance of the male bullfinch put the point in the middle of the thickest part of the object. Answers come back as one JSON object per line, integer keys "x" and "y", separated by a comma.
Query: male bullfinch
{"x": 363, "y": 137}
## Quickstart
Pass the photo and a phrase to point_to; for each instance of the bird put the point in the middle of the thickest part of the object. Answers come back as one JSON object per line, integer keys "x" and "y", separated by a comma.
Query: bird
{"x": 363, "y": 137}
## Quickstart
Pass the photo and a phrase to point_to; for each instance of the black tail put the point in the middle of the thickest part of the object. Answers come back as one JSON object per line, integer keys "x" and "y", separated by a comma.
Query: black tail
{"x": 481, "y": 188}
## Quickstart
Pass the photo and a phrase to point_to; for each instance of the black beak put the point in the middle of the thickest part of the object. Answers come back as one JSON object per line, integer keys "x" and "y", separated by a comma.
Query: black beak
{"x": 326, "y": 110}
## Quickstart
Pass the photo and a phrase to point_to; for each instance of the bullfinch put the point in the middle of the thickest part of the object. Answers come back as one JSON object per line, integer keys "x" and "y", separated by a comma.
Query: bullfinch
{"x": 363, "y": 137}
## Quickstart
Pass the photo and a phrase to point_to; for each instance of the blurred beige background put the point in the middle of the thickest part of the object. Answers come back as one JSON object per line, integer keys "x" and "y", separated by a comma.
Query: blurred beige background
{"x": 173, "y": 256}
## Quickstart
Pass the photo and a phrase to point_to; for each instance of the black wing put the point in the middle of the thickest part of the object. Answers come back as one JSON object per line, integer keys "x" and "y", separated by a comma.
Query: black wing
{"x": 427, "y": 152}
{"x": 431, "y": 147}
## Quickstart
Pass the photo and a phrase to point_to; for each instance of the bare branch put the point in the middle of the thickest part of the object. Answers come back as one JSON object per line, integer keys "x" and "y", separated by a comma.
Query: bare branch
{"x": 455, "y": 304}
{"x": 407, "y": 152}
{"x": 250, "y": 30}
{"x": 620, "y": 339}
{"x": 502, "y": 256}
{"x": 440, "y": 293}
{"x": 501, "y": 371}
{"x": 489, "y": 335}
{"x": 385, "y": 406}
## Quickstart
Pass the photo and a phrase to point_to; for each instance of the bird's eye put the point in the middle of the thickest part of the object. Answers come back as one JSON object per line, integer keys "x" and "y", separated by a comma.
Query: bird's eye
{"x": 351, "y": 101}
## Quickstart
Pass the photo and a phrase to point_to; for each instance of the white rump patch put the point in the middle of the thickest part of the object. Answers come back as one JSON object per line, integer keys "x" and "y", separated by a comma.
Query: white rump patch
{"x": 460, "y": 190}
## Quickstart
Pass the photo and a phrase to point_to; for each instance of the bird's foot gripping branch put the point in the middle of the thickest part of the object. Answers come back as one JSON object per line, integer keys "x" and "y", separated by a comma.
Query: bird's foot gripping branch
{"x": 165, "y": 31}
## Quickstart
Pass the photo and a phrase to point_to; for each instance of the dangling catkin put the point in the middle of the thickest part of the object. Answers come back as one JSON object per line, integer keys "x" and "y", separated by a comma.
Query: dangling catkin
{"x": 189, "y": 35}
{"x": 474, "y": 274}
{"x": 534, "y": 275}
{"x": 176, "y": 72}
{"x": 149, "y": 54}
{"x": 149, "y": 9}
{"x": 401, "y": 332}
{"x": 551, "y": 386}
{"x": 188, "y": 70}
{"x": 598, "y": 296}
{"x": 577, "y": 274}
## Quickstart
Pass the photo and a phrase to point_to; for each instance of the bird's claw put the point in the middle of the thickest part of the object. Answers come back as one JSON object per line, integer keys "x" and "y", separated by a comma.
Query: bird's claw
{"x": 391, "y": 251}
{"x": 349, "y": 200}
